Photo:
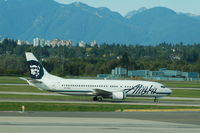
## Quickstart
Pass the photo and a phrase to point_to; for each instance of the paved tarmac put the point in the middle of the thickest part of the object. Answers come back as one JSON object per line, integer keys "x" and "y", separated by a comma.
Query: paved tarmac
{"x": 109, "y": 101}
{"x": 90, "y": 122}
{"x": 56, "y": 94}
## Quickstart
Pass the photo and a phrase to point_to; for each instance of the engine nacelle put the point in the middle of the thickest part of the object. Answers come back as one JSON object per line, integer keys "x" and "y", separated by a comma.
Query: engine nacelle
{"x": 118, "y": 95}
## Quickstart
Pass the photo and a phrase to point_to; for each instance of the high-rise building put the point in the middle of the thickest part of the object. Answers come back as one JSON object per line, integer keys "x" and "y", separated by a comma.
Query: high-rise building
{"x": 93, "y": 44}
{"x": 36, "y": 42}
{"x": 82, "y": 44}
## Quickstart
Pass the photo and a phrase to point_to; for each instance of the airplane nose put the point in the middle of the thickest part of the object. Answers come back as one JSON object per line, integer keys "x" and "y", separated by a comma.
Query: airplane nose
{"x": 169, "y": 91}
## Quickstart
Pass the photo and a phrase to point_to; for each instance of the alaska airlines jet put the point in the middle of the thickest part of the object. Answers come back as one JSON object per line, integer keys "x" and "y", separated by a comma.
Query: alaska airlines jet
{"x": 99, "y": 89}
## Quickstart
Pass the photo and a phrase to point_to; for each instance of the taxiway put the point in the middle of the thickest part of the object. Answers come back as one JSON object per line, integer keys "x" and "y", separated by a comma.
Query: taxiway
{"x": 89, "y": 122}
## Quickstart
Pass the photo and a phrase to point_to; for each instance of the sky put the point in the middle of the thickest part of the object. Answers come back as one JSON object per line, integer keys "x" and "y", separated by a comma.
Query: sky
{"x": 125, "y": 6}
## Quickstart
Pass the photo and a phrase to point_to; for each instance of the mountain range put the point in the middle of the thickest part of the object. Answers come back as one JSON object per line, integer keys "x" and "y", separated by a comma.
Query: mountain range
{"x": 27, "y": 19}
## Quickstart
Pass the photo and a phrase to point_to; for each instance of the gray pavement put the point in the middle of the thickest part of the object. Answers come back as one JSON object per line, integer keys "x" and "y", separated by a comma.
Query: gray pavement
{"x": 56, "y": 94}
{"x": 173, "y": 101}
{"x": 90, "y": 122}
{"x": 134, "y": 102}
{"x": 174, "y": 117}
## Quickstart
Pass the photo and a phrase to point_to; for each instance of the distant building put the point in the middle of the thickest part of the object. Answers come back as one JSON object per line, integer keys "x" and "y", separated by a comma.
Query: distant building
{"x": 155, "y": 74}
{"x": 171, "y": 73}
{"x": 21, "y": 42}
{"x": 138, "y": 73}
{"x": 36, "y": 42}
{"x": 82, "y": 44}
{"x": 93, "y": 44}
{"x": 118, "y": 71}
{"x": 18, "y": 42}
{"x": 189, "y": 75}
{"x": 103, "y": 76}
{"x": 53, "y": 43}
{"x": 67, "y": 43}
{"x": 39, "y": 42}
{"x": 162, "y": 74}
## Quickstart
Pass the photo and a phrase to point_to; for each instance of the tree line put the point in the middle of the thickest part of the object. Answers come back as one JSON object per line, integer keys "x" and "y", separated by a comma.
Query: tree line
{"x": 89, "y": 61}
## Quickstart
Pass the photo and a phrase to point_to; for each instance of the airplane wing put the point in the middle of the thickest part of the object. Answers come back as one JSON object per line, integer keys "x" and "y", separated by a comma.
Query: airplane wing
{"x": 102, "y": 92}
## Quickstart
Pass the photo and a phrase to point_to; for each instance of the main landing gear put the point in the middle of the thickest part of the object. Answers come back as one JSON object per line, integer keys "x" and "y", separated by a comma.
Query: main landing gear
{"x": 98, "y": 98}
{"x": 156, "y": 100}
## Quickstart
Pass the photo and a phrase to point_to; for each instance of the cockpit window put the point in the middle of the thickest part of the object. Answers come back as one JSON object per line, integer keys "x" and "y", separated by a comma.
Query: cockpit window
{"x": 163, "y": 87}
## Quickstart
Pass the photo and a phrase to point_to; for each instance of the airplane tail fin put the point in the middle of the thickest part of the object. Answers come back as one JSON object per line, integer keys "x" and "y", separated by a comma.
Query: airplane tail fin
{"x": 37, "y": 71}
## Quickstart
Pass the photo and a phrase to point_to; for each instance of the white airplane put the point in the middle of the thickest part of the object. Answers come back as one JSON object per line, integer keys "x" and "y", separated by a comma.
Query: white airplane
{"x": 99, "y": 89}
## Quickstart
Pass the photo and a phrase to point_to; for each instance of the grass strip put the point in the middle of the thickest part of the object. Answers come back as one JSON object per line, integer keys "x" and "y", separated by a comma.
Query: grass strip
{"x": 11, "y": 80}
{"x": 182, "y": 84}
{"x": 185, "y": 93}
{"x": 74, "y": 98}
{"x": 39, "y": 97}
{"x": 157, "y": 110}
{"x": 80, "y": 107}
{"x": 20, "y": 88}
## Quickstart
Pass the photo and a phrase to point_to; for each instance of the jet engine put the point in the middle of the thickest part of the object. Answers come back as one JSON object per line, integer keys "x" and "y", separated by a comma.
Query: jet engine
{"x": 118, "y": 95}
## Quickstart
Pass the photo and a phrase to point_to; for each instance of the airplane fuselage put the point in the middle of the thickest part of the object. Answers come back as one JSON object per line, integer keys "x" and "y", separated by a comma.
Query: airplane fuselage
{"x": 132, "y": 88}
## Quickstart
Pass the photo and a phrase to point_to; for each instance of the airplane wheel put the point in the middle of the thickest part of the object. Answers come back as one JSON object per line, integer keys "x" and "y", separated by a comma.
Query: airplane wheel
{"x": 100, "y": 98}
{"x": 156, "y": 100}
{"x": 94, "y": 98}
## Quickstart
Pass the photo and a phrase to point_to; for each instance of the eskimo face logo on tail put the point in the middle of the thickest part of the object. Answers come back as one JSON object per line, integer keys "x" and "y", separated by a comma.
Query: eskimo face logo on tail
{"x": 36, "y": 69}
